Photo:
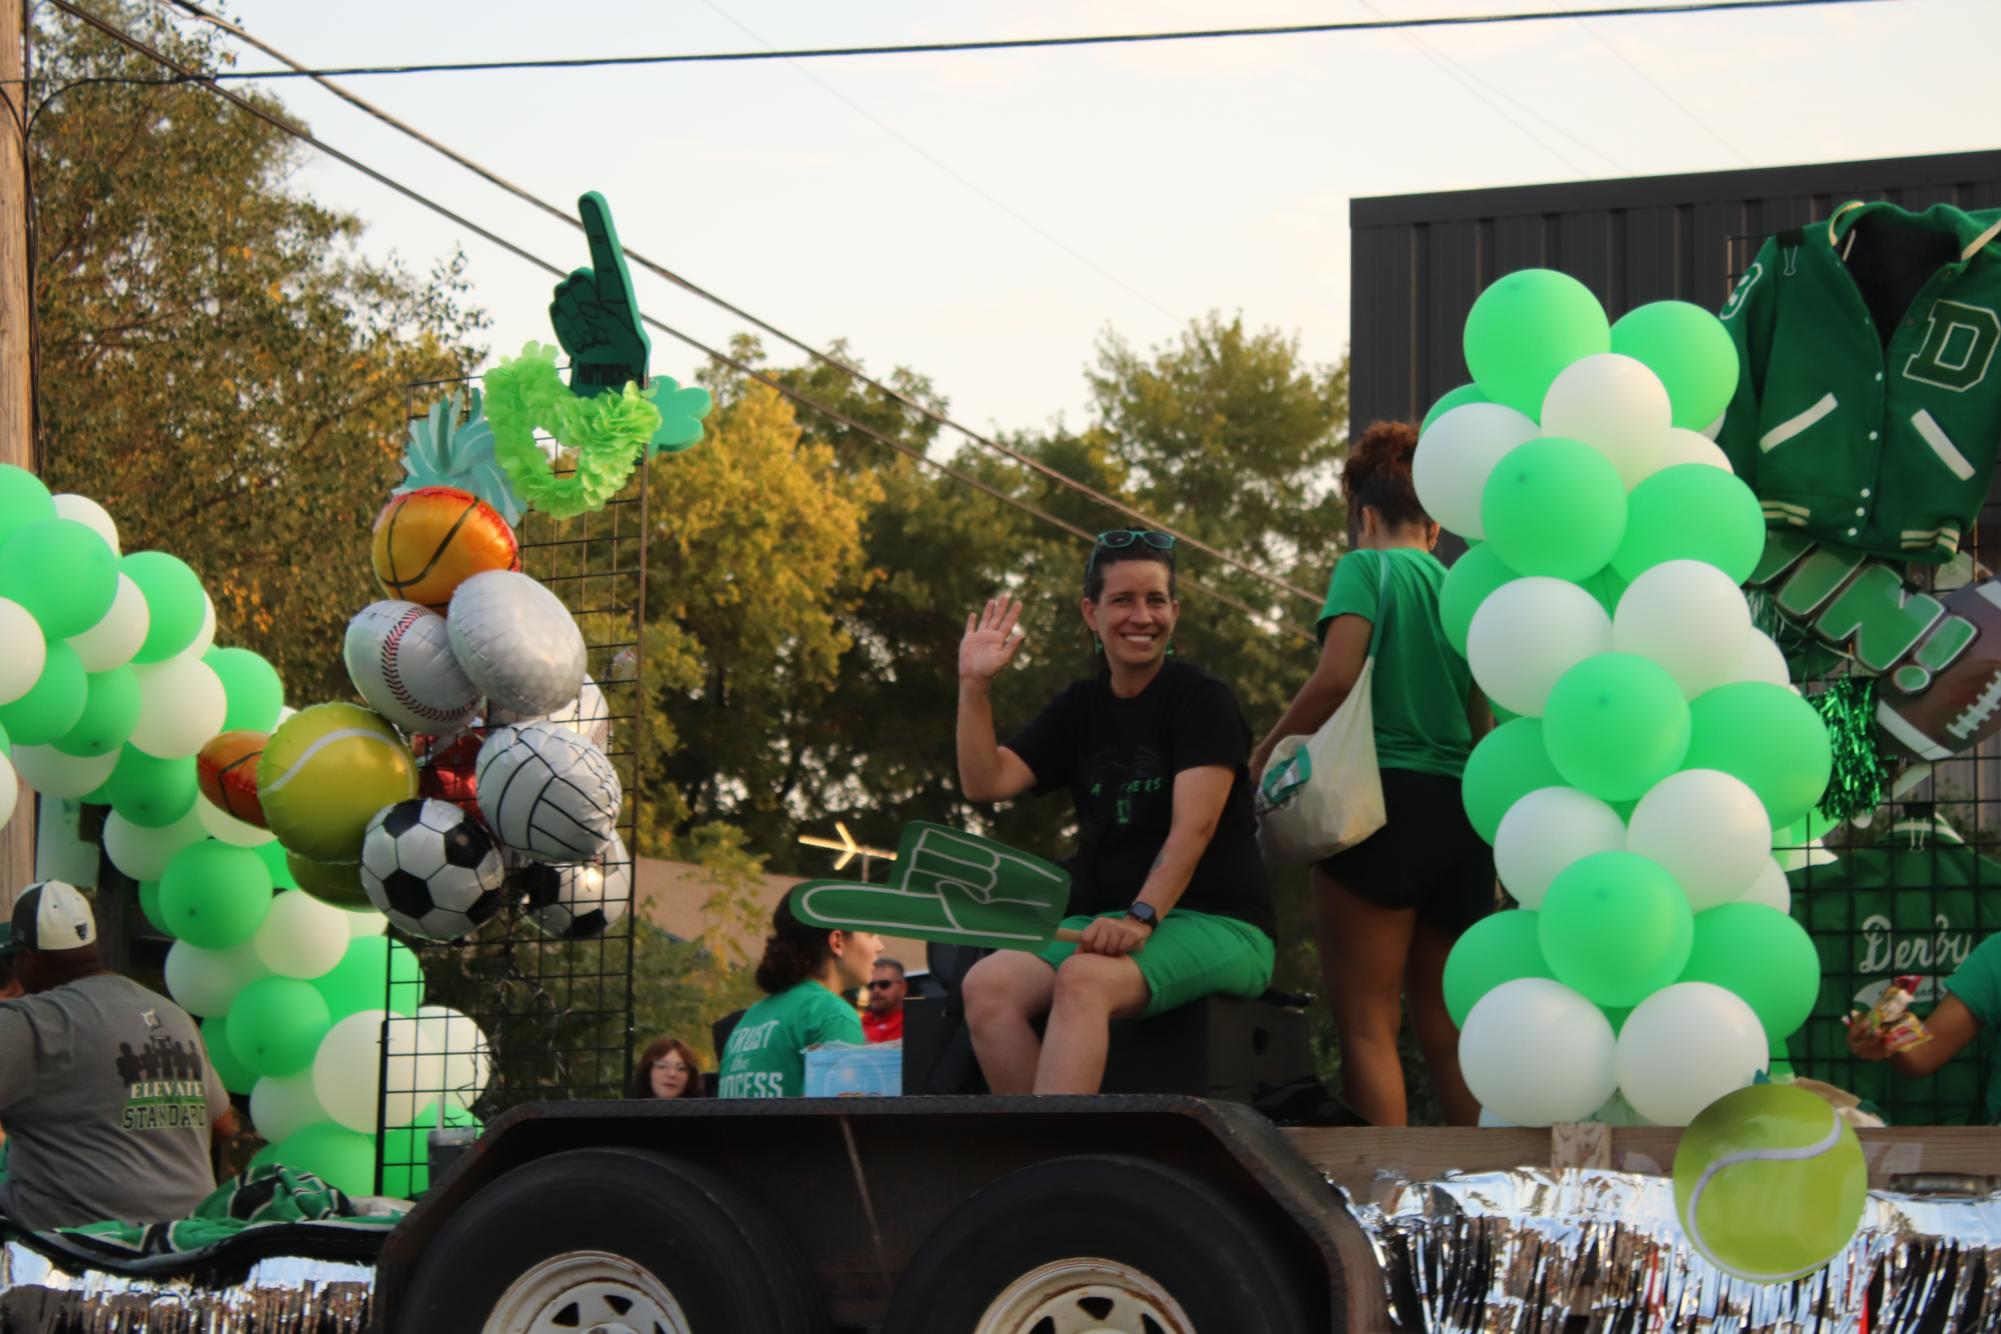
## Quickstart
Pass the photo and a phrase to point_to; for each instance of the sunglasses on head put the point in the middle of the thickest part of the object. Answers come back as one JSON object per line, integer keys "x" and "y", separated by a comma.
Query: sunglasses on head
{"x": 1117, "y": 538}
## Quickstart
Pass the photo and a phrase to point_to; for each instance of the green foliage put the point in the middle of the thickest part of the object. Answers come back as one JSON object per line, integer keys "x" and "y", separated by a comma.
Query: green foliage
{"x": 681, "y": 987}
{"x": 219, "y": 366}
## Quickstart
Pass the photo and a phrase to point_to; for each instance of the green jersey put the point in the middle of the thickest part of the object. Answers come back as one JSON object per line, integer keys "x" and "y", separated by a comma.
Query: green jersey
{"x": 1868, "y": 410}
{"x": 1421, "y": 683}
{"x": 764, "y": 1057}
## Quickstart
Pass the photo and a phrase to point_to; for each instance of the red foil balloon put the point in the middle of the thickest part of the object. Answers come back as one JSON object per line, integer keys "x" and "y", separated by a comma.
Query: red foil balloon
{"x": 445, "y": 768}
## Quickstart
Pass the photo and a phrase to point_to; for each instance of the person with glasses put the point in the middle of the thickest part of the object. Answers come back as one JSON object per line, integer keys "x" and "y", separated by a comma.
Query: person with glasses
{"x": 882, "y": 1020}
{"x": 1388, "y": 910}
{"x": 667, "y": 1069}
{"x": 1167, "y": 884}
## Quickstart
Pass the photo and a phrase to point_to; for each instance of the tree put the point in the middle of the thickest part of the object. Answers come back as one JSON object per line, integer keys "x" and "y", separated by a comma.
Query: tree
{"x": 219, "y": 367}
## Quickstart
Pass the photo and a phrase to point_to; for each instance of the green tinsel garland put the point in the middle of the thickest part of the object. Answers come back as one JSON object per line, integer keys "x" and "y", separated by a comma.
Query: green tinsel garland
{"x": 609, "y": 433}
{"x": 1848, "y": 707}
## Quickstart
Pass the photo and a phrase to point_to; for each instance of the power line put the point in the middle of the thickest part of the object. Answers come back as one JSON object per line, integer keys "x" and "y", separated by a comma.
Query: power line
{"x": 1685, "y": 109}
{"x": 198, "y": 79}
{"x": 1038, "y": 43}
{"x": 569, "y": 217}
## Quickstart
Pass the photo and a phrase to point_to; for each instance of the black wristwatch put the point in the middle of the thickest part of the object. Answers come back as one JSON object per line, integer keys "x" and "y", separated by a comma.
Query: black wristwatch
{"x": 1144, "y": 914}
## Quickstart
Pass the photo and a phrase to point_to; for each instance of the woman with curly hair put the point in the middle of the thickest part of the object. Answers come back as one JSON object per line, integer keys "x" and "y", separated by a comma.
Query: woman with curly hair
{"x": 803, "y": 973}
{"x": 667, "y": 1069}
{"x": 1388, "y": 910}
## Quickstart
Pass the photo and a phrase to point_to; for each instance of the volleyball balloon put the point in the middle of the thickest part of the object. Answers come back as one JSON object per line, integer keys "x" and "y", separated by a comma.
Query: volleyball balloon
{"x": 324, "y": 774}
{"x": 548, "y": 793}
{"x": 429, "y": 541}
{"x": 399, "y": 657}
{"x": 517, "y": 643}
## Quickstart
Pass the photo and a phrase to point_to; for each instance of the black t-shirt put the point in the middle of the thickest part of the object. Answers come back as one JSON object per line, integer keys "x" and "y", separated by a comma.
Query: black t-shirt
{"x": 1119, "y": 757}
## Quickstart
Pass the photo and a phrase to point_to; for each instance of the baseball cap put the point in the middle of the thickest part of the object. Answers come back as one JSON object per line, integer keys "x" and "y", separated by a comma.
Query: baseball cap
{"x": 52, "y": 916}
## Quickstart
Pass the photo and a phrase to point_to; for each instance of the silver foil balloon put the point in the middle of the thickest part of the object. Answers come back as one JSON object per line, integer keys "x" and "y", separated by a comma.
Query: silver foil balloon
{"x": 517, "y": 642}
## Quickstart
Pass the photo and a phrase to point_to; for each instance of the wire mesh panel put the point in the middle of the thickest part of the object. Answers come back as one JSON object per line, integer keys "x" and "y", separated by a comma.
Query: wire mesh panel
{"x": 538, "y": 1003}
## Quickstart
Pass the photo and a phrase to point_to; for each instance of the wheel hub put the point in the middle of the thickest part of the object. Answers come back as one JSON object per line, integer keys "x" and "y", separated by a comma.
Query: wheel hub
{"x": 587, "y": 1292}
{"x": 1084, "y": 1295}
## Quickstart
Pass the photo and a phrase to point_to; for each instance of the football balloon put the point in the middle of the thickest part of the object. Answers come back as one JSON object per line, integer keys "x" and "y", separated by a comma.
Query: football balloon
{"x": 430, "y": 869}
{"x": 1960, "y": 704}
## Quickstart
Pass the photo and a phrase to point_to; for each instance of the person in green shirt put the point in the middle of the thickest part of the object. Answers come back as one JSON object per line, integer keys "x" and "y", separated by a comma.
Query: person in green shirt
{"x": 1972, "y": 1003}
{"x": 803, "y": 972}
{"x": 1388, "y": 910}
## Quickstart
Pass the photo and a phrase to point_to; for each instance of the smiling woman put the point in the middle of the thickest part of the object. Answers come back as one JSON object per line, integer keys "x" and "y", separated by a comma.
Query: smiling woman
{"x": 1167, "y": 886}
{"x": 667, "y": 1069}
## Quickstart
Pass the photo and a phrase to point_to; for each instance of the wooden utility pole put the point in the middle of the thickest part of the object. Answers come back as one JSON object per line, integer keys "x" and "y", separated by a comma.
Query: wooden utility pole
{"x": 17, "y": 411}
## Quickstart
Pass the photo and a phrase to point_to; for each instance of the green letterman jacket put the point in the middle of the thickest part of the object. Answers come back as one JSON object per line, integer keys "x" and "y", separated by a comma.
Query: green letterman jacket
{"x": 1882, "y": 443}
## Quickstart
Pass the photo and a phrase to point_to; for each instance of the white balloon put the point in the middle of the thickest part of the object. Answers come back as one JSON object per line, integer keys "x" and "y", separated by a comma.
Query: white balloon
{"x": 1762, "y": 660}
{"x": 1686, "y": 446}
{"x": 466, "y": 1055}
{"x": 365, "y": 922}
{"x": 1493, "y": 1122}
{"x": 1689, "y": 617}
{"x": 206, "y": 982}
{"x": 84, "y": 510}
{"x": 66, "y": 777}
{"x": 26, "y": 653}
{"x": 282, "y": 1105}
{"x": 1455, "y": 457}
{"x": 1684, "y": 1047}
{"x": 1708, "y": 829}
{"x": 348, "y": 1075}
{"x": 142, "y": 853}
{"x": 1527, "y": 633}
{"x": 1544, "y": 832}
{"x": 204, "y": 637}
{"x": 1534, "y": 1052}
{"x": 588, "y": 715}
{"x": 1715, "y": 428}
{"x": 1771, "y": 888}
{"x": 516, "y": 642}
{"x": 1614, "y": 404}
{"x": 120, "y": 634}
{"x": 221, "y": 824}
{"x": 182, "y": 707}
{"x": 10, "y": 790}
{"x": 1618, "y": 1112}
{"x": 300, "y": 936}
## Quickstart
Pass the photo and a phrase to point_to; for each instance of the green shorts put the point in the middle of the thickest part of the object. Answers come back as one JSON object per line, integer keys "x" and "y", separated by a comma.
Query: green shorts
{"x": 1189, "y": 955}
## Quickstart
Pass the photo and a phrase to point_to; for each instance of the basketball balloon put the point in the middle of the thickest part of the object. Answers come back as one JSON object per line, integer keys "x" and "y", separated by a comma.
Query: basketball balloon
{"x": 227, "y": 771}
{"x": 431, "y": 540}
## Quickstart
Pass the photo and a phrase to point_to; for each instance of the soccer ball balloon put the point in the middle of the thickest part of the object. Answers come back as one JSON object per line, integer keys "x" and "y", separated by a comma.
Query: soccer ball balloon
{"x": 577, "y": 902}
{"x": 547, "y": 792}
{"x": 431, "y": 869}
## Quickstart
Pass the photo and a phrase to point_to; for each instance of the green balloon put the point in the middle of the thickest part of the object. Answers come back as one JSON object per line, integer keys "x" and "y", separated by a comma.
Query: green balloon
{"x": 53, "y": 704}
{"x": 1525, "y": 328}
{"x": 62, "y": 572}
{"x": 1498, "y": 948}
{"x": 149, "y": 907}
{"x": 343, "y": 1158}
{"x": 149, "y": 791}
{"x": 1762, "y": 955}
{"x": 1691, "y": 512}
{"x": 1767, "y": 736}
{"x": 1474, "y": 575}
{"x": 110, "y": 712}
{"x": 1509, "y": 763}
{"x": 1450, "y": 399}
{"x": 1616, "y": 927}
{"x": 236, "y": 1076}
{"x": 1691, "y": 352}
{"x": 1616, "y": 1015}
{"x": 361, "y": 980}
{"x": 252, "y": 686}
{"x": 1615, "y": 725}
{"x": 174, "y": 601}
{"x": 406, "y": 1152}
{"x": 1554, "y": 506}
{"x": 275, "y": 861}
{"x": 6, "y": 743}
{"x": 214, "y": 895}
{"x": 23, "y": 500}
{"x": 1607, "y": 587}
{"x": 276, "y": 1023}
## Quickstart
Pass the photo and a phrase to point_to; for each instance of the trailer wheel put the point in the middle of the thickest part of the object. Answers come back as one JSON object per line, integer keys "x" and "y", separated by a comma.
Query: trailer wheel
{"x": 1110, "y": 1245}
{"x": 614, "y": 1240}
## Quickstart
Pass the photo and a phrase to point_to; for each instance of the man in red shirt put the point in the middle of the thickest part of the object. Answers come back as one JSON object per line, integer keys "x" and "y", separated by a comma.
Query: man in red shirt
{"x": 884, "y": 1020}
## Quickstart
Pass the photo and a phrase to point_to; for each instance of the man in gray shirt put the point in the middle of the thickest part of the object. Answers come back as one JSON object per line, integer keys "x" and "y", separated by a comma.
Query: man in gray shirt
{"x": 106, "y": 1091}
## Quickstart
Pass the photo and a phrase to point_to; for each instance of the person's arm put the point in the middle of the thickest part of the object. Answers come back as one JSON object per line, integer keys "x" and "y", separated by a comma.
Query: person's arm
{"x": 988, "y": 771}
{"x": 1199, "y": 795}
{"x": 1479, "y": 714}
{"x": 1342, "y": 654}
{"x": 17, "y": 1057}
{"x": 1952, "y": 1026}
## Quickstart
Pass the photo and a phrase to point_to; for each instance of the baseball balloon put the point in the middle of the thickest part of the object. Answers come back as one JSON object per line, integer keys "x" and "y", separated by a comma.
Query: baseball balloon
{"x": 1527, "y": 634}
{"x": 1454, "y": 457}
{"x": 325, "y": 773}
{"x": 517, "y": 642}
{"x": 399, "y": 656}
{"x": 429, "y": 541}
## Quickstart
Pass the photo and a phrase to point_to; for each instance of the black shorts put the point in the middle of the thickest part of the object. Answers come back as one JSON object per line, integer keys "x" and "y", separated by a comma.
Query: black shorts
{"x": 1426, "y": 856}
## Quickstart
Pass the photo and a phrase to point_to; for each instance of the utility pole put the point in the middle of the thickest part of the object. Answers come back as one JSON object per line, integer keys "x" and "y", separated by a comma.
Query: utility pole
{"x": 17, "y": 409}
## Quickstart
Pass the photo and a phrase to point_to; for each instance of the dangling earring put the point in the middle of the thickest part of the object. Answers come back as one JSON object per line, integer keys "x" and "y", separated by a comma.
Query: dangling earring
{"x": 1097, "y": 645}
{"x": 1170, "y": 648}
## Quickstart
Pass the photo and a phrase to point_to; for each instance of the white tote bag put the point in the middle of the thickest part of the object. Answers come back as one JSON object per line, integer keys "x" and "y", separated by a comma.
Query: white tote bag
{"x": 1323, "y": 794}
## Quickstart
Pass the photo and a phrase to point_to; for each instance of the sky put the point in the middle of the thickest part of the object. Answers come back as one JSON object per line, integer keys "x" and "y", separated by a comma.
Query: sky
{"x": 985, "y": 219}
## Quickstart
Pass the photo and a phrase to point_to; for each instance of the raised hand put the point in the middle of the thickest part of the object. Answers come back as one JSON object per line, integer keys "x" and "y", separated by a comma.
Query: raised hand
{"x": 991, "y": 640}
{"x": 594, "y": 314}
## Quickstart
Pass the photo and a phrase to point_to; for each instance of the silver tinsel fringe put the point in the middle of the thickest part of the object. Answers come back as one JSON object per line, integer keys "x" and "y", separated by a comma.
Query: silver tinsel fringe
{"x": 1524, "y": 1251}
{"x": 286, "y": 1295}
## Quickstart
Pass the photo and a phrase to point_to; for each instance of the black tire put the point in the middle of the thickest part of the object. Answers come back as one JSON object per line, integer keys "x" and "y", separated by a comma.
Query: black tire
{"x": 727, "y": 1263}
{"x": 1221, "y": 1265}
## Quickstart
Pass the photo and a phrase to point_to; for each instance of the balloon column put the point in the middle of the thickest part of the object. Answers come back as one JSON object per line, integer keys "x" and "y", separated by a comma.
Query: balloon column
{"x": 1652, "y": 742}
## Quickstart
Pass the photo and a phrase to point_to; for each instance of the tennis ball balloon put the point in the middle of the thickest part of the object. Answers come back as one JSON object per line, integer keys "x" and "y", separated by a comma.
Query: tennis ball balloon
{"x": 1769, "y": 1183}
{"x": 325, "y": 772}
